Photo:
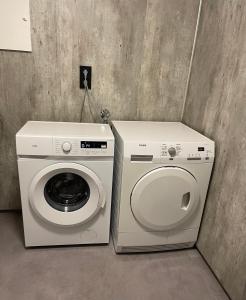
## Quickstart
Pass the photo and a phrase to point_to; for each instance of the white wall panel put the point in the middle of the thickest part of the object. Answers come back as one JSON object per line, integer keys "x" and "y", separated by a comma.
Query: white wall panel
{"x": 15, "y": 25}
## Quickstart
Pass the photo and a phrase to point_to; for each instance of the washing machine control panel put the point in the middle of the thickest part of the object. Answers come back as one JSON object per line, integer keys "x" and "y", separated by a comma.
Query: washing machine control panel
{"x": 82, "y": 147}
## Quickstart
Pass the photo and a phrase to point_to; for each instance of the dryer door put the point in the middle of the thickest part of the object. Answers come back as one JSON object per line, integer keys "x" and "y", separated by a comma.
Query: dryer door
{"x": 164, "y": 198}
{"x": 66, "y": 194}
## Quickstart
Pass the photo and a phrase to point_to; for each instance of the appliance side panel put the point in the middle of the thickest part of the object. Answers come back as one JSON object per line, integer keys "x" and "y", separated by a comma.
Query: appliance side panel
{"x": 116, "y": 191}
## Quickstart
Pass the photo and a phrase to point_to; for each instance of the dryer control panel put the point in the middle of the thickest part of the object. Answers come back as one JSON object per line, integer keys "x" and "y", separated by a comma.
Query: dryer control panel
{"x": 167, "y": 152}
{"x": 188, "y": 151}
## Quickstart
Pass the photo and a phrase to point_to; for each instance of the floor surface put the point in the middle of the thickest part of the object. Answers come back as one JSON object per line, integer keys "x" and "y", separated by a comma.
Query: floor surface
{"x": 97, "y": 273}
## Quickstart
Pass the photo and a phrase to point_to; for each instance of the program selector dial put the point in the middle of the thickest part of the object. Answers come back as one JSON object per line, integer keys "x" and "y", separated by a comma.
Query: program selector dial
{"x": 66, "y": 147}
{"x": 172, "y": 151}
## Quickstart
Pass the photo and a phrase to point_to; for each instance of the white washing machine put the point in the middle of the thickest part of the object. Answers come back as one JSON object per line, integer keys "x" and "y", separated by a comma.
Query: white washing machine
{"x": 161, "y": 177}
{"x": 65, "y": 174}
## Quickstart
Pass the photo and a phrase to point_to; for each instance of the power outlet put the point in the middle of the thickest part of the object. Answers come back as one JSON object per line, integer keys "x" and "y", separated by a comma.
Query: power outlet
{"x": 82, "y": 76}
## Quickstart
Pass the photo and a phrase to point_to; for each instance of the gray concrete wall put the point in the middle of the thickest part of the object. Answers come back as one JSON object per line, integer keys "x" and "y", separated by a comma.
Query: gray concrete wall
{"x": 216, "y": 106}
{"x": 140, "y": 53}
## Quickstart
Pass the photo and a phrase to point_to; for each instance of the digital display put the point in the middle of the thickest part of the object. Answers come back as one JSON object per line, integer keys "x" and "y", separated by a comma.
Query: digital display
{"x": 93, "y": 145}
{"x": 201, "y": 149}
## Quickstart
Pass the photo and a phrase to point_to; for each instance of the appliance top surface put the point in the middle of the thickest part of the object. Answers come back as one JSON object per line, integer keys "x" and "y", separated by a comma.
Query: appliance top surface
{"x": 66, "y": 129}
{"x": 147, "y": 131}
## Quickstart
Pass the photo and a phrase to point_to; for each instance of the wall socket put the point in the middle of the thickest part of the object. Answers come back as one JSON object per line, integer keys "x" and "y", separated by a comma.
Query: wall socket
{"x": 82, "y": 77}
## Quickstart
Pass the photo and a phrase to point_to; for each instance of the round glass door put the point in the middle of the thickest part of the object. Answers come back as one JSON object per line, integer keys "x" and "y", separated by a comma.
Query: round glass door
{"x": 66, "y": 194}
{"x": 164, "y": 198}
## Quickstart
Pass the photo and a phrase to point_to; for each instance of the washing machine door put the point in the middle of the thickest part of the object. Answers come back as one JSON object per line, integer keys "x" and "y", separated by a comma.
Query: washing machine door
{"x": 164, "y": 198}
{"x": 66, "y": 194}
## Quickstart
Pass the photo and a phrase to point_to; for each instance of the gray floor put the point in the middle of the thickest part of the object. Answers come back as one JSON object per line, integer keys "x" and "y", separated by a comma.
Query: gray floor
{"x": 90, "y": 273}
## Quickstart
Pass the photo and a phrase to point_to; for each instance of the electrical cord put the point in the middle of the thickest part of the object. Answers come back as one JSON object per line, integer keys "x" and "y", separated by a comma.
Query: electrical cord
{"x": 90, "y": 103}
{"x": 87, "y": 94}
{"x": 85, "y": 72}
{"x": 82, "y": 107}
{"x": 105, "y": 114}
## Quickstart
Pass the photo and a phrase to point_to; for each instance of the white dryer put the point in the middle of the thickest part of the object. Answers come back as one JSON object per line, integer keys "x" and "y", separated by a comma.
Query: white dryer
{"x": 65, "y": 175}
{"x": 161, "y": 177}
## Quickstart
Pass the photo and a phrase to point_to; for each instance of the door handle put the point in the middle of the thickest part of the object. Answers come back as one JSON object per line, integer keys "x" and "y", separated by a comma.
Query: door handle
{"x": 103, "y": 200}
{"x": 185, "y": 201}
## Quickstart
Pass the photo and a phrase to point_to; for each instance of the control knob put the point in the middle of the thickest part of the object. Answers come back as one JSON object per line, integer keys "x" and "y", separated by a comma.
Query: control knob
{"x": 172, "y": 151}
{"x": 66, "y": 147}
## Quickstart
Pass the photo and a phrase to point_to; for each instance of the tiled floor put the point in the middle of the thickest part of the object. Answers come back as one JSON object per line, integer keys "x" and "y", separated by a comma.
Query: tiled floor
{"x": 90, "y": 273}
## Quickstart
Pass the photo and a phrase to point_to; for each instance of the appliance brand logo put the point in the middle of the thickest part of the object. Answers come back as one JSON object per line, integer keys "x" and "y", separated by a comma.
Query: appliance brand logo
{"x": 142, "y": 145}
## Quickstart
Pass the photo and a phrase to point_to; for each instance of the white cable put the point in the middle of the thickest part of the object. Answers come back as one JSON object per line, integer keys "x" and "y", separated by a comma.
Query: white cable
{"x": 82, "y": 107}
{"x": 89, "y": 104}
{"x": 85, "y": 82}
{"x": 105, "y": 120}
{"x": 85, "y": 72}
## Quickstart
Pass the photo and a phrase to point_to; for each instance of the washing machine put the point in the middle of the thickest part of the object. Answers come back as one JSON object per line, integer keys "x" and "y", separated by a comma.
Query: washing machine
{"x": 161, "y": 176}
{"x": 65, "y": 174}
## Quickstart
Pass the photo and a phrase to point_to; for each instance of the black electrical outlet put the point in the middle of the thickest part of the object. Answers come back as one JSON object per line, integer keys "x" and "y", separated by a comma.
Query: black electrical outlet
{"x": 82, "y": 76}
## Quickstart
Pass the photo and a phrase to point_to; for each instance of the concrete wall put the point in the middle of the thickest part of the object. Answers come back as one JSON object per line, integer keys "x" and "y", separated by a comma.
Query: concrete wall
{"x": 140, "y": 53}
{"x": 216, "y": 106}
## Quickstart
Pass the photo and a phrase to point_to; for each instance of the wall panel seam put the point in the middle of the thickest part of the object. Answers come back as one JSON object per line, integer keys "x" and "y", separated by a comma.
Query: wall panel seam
{"x": 191, "y": 58}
